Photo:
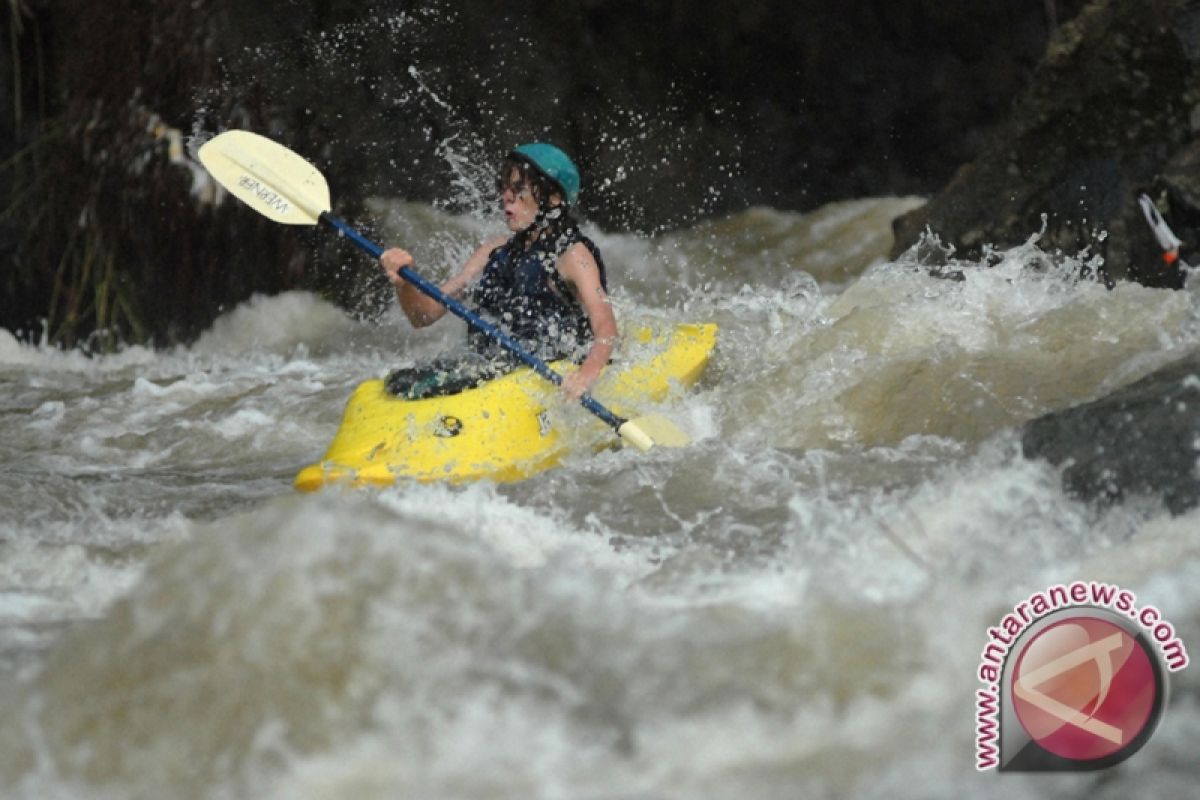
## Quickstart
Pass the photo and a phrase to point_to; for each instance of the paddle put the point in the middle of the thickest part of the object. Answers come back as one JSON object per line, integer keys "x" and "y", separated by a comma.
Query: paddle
{"x": 284, "y": 187}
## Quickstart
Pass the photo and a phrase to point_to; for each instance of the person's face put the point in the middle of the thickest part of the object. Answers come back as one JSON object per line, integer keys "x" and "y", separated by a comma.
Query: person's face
{"x": 517, "y": 200}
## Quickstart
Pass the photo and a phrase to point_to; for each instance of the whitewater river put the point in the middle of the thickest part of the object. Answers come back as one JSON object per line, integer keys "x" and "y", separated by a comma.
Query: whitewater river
{"x": 794, "y": 606}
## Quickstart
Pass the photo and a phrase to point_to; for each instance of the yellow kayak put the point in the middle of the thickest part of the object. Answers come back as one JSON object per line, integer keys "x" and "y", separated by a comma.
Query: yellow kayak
{"x": 499, "y": 430}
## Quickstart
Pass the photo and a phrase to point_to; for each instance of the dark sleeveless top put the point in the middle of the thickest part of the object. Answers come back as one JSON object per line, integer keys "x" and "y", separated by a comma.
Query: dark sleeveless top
{"x": 523, "y": 293}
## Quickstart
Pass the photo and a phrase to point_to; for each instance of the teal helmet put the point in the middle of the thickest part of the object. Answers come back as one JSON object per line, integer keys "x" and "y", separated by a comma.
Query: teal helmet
{"x": 554, "y": 164}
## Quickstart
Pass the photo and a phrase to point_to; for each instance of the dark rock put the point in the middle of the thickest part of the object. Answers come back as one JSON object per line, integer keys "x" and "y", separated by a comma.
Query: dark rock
{"x": 1141, "y": 440}
{"x": 108, "y": 243}
{"x": 1107, "y": 115}
{"x": 676, "y": 110}
{"x": 687, "y": 108}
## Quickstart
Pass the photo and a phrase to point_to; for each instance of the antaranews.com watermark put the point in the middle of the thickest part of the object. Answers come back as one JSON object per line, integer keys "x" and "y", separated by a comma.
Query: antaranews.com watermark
{"x": 1073, "y": 679}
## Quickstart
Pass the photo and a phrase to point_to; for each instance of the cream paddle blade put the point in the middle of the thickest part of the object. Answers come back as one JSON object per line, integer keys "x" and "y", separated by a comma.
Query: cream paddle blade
{"x": 653, "y": 430}
{"x": 267, "y": 176}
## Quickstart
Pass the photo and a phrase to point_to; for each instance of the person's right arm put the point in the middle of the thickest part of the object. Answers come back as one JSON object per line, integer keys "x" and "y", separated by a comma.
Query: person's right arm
{"x": 420, "y": 308}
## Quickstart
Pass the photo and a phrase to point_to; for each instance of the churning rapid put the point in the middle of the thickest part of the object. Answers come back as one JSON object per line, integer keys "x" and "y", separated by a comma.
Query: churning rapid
{"x": 793, "y": 606}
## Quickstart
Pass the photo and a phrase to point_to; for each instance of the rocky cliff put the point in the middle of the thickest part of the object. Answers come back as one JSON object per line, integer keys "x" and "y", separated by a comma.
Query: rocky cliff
{"x": 676, "y": 109}
{"x": 1112, "y": 110}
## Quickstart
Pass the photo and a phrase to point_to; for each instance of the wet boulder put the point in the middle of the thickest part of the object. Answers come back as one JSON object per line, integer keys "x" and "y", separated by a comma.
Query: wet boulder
{"x": 1143, "y": 439}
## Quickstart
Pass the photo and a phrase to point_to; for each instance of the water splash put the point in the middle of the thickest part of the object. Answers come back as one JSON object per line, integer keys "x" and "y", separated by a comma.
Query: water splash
{"x": 792, "y": 604}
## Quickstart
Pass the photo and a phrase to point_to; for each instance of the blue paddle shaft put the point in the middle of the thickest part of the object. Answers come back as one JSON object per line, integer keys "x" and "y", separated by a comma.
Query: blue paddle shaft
{"x": 474, "y": 320}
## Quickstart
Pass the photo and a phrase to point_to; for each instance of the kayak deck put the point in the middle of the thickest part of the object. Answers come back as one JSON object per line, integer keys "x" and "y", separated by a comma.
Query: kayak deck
{"x": 499, "y": 430}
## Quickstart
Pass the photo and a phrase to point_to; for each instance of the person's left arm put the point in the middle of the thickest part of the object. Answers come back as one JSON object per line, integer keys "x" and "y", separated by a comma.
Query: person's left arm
{"x": 583, "y": 275}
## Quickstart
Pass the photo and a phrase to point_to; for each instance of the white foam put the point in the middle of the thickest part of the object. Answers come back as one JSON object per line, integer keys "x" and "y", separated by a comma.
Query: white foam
{"x": 278, "y": 323}
{"x": 793, "y": 604}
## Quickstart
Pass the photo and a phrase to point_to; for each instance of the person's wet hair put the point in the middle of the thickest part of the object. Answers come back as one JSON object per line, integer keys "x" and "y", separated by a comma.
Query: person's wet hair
{"x": 527, "y": 177}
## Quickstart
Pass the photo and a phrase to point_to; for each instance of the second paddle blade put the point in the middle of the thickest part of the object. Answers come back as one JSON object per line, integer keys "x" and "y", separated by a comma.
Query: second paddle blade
{"x": 653, "y": 430}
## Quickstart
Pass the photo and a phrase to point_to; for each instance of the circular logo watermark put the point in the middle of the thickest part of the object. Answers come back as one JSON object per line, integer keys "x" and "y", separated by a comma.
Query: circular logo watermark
{"x": 1081, "y": 688}
{"x": 1087, "y": 687}
{"x": 1073, "y": 678}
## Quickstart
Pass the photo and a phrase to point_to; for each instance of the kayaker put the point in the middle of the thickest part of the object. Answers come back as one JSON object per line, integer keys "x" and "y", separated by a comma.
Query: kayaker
{"x": 545, "y": 285}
